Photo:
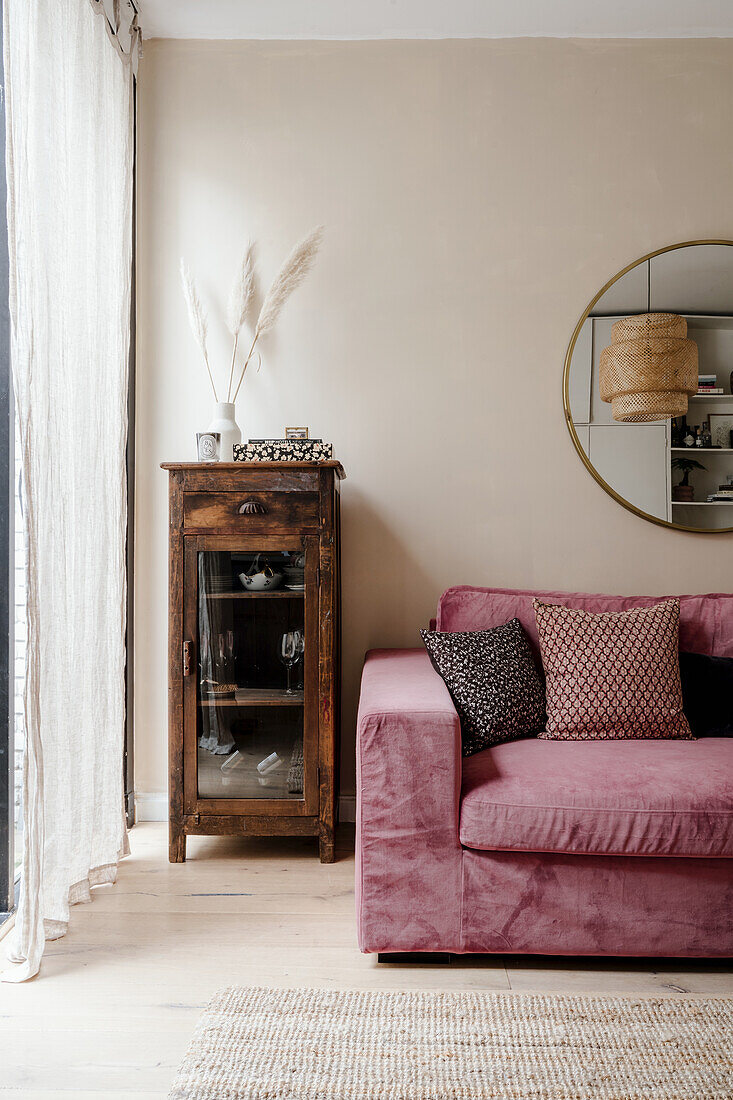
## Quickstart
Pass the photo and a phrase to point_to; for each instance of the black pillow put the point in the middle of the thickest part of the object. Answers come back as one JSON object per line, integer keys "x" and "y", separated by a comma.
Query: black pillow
{"x": 493, "y": 681}
{"x": 707, "y": 694}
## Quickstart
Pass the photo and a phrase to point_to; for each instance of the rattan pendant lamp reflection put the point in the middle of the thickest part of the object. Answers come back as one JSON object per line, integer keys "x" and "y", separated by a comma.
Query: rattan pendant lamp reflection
{"x": 649, "y": 369}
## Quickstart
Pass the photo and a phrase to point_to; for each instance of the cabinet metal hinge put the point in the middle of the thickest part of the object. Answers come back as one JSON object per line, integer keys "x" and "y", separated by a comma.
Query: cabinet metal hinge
{"x": 197, "y": 819}
{"x": 187, "y": 658}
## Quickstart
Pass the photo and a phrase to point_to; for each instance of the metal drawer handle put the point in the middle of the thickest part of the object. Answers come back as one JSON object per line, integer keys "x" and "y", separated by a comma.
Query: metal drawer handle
{"x": 252, "y": 508}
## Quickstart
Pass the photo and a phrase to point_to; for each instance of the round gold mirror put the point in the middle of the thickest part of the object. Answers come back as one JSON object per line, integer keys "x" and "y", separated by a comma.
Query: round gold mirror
{"x": 648, "y": 387}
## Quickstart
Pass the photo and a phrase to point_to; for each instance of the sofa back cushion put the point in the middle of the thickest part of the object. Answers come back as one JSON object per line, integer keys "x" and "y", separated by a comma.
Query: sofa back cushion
{"x": 706, "y": 622}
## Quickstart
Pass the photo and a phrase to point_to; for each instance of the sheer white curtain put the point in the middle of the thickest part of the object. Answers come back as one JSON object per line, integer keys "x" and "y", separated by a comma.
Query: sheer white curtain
{"x": 69, "y": 167}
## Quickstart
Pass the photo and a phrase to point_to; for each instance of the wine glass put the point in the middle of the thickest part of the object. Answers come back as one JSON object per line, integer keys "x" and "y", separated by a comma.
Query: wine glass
{"x": 301, "y": 651}
{"x": 292, "y": 645}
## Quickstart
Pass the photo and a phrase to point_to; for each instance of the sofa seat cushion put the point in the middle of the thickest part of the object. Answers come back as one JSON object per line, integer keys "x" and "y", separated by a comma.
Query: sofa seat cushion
{"x": 644, "y": 798}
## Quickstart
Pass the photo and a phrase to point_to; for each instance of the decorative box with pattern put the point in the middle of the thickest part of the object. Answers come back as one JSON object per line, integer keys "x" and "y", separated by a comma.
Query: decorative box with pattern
{"x": 283, "y": 450}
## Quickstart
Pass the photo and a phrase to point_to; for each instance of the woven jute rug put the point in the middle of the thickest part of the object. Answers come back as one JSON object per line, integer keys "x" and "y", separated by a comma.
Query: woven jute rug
{"x": 314, "y": 1044}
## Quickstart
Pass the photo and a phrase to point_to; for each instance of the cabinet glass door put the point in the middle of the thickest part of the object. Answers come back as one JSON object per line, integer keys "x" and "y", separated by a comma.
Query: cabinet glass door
{"x": 254, "y": 660}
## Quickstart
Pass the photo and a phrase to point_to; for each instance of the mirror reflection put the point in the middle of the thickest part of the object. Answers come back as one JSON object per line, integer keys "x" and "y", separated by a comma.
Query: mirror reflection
{"x": 649, "y": 387}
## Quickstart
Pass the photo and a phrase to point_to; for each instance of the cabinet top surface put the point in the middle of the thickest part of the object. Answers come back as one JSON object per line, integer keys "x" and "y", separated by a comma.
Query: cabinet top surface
{"x": 232, "y": 467}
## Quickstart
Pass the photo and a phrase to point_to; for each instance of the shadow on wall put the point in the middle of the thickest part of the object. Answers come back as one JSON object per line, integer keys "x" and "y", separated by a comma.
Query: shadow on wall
{"x": 387, "y": 596}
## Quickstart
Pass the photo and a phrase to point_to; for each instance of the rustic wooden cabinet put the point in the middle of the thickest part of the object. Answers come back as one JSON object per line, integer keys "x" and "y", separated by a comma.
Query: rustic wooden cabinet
{"x": 254, "y": 650}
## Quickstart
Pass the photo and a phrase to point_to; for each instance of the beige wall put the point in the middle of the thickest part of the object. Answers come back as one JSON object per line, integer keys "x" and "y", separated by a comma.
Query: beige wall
{"x": 476, "y": 194}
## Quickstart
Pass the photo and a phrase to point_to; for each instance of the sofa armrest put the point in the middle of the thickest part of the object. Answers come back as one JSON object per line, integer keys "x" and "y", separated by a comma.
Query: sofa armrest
{"x": 408, "y": 796}
{"x": 408, "y": 742}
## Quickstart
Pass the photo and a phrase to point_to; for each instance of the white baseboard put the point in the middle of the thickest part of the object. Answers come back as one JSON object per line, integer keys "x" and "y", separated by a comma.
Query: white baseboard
{"x": 153, "y": 806}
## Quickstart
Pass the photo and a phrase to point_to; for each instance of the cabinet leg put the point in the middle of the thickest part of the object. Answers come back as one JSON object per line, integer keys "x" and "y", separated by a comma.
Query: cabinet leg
{"x": 176, "y": 844}
{"x": 326, "y": 846}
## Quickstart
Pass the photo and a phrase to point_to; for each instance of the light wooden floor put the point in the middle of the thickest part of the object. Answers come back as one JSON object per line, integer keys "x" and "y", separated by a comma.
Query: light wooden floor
{"x": 111, "y": 1014}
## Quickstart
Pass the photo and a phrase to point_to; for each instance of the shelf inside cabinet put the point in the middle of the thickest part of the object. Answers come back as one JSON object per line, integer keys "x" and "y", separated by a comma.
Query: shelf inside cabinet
{"x": 257, "y": 697}
{"x": 255, "y": 595}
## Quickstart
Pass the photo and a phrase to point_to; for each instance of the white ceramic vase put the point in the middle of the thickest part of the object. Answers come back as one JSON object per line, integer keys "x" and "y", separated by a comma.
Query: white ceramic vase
{"x": 226, "y": 425}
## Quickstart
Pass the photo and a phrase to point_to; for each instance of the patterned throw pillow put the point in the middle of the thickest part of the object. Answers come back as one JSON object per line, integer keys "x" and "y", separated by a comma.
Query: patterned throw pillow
{"x": 493, "y": 682}
{"x": 611, "y": 676}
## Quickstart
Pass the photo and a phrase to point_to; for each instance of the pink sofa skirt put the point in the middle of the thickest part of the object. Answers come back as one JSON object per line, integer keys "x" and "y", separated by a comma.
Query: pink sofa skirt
{"x": 595, "y": 905}
{"x": 549, "y": 904}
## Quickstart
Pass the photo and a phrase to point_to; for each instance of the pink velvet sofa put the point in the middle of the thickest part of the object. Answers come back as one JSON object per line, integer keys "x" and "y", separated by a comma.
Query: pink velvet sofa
{"x": 543, "y": 847}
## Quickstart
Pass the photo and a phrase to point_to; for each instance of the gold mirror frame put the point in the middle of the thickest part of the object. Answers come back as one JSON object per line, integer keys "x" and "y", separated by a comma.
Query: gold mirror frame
{"x": 566, "y": 397}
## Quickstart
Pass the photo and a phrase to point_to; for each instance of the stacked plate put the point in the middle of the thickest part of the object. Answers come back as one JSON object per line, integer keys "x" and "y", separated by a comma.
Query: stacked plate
{"x": 294, "y": 577}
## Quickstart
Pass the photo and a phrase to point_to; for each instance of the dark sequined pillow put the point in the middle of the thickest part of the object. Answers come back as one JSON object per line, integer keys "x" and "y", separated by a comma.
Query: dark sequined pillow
{"x": 493, "y": 681}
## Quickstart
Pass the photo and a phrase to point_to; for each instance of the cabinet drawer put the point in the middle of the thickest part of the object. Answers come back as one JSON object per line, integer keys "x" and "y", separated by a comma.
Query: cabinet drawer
{"x": 251, "y": 511}
{"x": 215, "y": 478}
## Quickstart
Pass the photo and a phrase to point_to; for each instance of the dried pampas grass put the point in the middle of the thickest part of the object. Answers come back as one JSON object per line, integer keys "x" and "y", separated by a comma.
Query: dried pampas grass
{"x": 196, "y": 316}
{"x": 288, "y": 279}
{"x": 240, "y": 300}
